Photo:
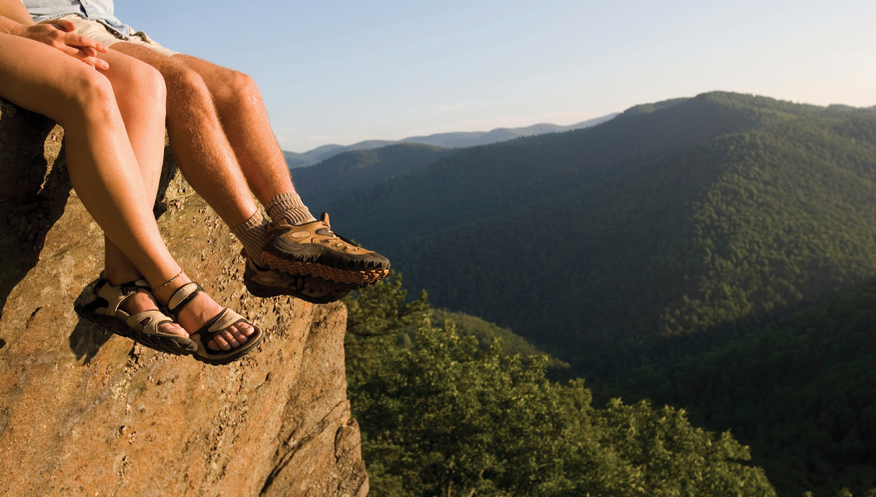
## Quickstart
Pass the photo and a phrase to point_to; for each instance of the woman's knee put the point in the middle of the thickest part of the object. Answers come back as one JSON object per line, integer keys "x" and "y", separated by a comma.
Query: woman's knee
{"x": 90, "y": 94}
{"x": 141, "y": 86}
{"x": 150, "y": 83}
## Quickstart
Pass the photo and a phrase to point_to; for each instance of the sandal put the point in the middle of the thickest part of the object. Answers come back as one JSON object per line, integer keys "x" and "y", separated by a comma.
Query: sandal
{"x": 267, "y": 282}
{"x": 226, "y": 318}
{"x": 105, "y": 311}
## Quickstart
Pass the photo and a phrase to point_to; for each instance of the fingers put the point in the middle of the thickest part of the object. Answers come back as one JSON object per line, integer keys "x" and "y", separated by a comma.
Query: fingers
{"x": 63, "y": 25}
{"x": 87, "y": 50}
{"x": 96, "y": 63}
{"x": 68, "y": 36}
{"x": 91, "y": 60}
{"x": 80, "y": 41}
{"x": 85, "y": 54}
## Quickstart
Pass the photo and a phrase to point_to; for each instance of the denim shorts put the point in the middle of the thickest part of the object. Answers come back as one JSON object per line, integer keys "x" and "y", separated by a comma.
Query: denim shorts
{"x": 98, "y": 32}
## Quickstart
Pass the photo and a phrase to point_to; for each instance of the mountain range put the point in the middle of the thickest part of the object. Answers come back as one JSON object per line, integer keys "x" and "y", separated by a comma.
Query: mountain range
{"x": 677, "y": 240}
{"x": 446, "y": 140}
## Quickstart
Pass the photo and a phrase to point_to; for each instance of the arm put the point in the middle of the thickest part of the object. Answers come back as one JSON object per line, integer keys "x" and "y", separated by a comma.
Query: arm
{"x": 58, "y": 34}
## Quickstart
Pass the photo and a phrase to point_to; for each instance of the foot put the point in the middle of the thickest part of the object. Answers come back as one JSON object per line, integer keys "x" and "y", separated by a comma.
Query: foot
{"x": 129, "y": 310}
{"x": 199, "y": 311}
{"x": 265, "y": 282}
{"x": 143, "y": 301}
{"x": 313, "y": 249}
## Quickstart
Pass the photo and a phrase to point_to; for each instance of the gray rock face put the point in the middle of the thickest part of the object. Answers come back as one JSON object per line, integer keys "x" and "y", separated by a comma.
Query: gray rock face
{"x": 86, "y": 412}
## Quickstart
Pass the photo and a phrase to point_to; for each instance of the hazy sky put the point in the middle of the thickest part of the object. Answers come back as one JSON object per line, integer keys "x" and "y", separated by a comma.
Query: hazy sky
{"x": 346, "y": 71}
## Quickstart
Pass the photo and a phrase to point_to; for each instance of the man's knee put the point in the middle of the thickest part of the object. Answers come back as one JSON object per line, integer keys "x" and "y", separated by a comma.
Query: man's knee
{"x": 186, "y": 84}
{"x": 238, "y": 87}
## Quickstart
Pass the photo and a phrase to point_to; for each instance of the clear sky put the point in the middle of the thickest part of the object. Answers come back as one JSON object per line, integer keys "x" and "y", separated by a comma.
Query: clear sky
{"x": 345, "y": 71}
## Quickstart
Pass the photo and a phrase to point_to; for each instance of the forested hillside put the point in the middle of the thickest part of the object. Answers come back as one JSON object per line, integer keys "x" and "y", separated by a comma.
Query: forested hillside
{"x": 716, "y": 235}
{"x": 659, "y": 253}
{"x": 801, "y": 392}
{"x": 442, "y": 415}
{"x": 482, "y": 182}
{"x": 676, "y": 218}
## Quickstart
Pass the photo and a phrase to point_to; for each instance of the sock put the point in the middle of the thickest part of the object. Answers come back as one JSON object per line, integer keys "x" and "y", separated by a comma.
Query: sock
{"x": 289, "y": 206}
{"x": 253, "y": 234}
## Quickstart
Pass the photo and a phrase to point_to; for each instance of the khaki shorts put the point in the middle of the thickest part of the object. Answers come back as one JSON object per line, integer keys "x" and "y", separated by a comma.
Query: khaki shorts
{"x": 98, "y": 32}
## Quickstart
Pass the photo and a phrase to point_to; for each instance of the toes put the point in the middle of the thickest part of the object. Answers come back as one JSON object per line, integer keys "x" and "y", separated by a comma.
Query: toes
{"x": 219, "y": 343}
{"x": 244, "y": 330}
{"x": 231, "y": 338}
{"x": 173, "y": 329}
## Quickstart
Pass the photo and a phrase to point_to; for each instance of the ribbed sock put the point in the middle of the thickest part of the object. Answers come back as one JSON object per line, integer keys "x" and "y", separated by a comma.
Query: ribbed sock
{"x": 253, "y": 234}
{"x": 289, "y": 206}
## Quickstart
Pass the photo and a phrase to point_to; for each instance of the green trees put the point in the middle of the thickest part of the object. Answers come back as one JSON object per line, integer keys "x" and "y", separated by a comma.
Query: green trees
{"x": 799, "y": 391}
{"x": 442, "y": 416}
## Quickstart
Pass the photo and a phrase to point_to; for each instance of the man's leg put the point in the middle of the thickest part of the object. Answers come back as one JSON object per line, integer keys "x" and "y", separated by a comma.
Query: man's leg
{"x": 202, "y": 150}
{"x": 245, "y": 122}
{"x": 302, "y": 245}
{"x": 197, "y": 139}
{"x": 221, "y": 105}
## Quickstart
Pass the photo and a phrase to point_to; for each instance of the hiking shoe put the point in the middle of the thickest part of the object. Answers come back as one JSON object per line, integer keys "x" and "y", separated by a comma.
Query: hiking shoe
{"x": 266, "y": 282}
{"x": 312, "y": 249}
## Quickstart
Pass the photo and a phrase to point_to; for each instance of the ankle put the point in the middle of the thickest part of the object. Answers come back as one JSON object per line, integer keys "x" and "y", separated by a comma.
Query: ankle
{"x": 289, "y": 207}
{"x": 253, "y": 235}
{"x": 165, "y": 291}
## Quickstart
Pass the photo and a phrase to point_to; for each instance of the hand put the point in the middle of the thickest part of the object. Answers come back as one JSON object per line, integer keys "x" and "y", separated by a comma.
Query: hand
{"x": 58, "y": 33}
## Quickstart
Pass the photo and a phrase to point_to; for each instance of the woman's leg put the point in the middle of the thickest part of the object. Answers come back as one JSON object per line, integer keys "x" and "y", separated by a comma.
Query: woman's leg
{"x": 140, "y": 97}
{"x": 102, "y": 165}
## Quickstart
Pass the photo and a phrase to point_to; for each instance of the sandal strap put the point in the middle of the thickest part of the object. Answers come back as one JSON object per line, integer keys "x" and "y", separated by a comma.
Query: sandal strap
{"x": 148, "y": 322}
{"x": 217, "y": 324}
{"x": 109, "y": 298}
{"x": 182, "y": 297}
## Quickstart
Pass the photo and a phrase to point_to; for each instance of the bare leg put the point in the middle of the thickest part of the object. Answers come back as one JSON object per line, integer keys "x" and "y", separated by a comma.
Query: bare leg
{"x": 197, "y": 139}
{"x": 147, "y": 141}
{"x": 245, "y": 122}
{"x": 101, "y": 163}
{"x": 140, "y": 98}
{"x": 102, "y": 166}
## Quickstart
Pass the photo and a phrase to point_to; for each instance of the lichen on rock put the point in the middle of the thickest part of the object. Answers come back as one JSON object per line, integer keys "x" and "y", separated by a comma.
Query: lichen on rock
{"x": 83, "y": 411}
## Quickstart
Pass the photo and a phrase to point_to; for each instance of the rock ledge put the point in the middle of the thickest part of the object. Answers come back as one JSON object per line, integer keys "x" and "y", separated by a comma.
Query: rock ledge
{"x": 86, "y": 412}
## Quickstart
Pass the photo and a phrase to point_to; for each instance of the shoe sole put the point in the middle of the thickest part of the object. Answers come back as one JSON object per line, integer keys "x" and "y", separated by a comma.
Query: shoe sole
{"x": 265, "y": 292}
{"x": 353, "y": 277}
{"x": 170, "y": 345}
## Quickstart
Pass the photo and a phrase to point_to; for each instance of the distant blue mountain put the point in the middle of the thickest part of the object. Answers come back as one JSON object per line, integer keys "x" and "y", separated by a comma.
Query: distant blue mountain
{"x": 447, "y": 140}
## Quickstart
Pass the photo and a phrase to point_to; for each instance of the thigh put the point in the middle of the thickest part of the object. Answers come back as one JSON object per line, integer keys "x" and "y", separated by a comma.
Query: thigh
{"x": 131, "y": 77}
{"x": 42, "y": 79}
{"x": 169, "y": 67}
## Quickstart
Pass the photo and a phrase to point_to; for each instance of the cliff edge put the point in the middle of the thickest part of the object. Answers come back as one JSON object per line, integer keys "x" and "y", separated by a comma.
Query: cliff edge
{"x": 86, "y": 412}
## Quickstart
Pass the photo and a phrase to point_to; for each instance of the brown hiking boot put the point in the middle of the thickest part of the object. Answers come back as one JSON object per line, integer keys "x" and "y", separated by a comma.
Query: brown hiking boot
{"x": 313, "y": 249}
